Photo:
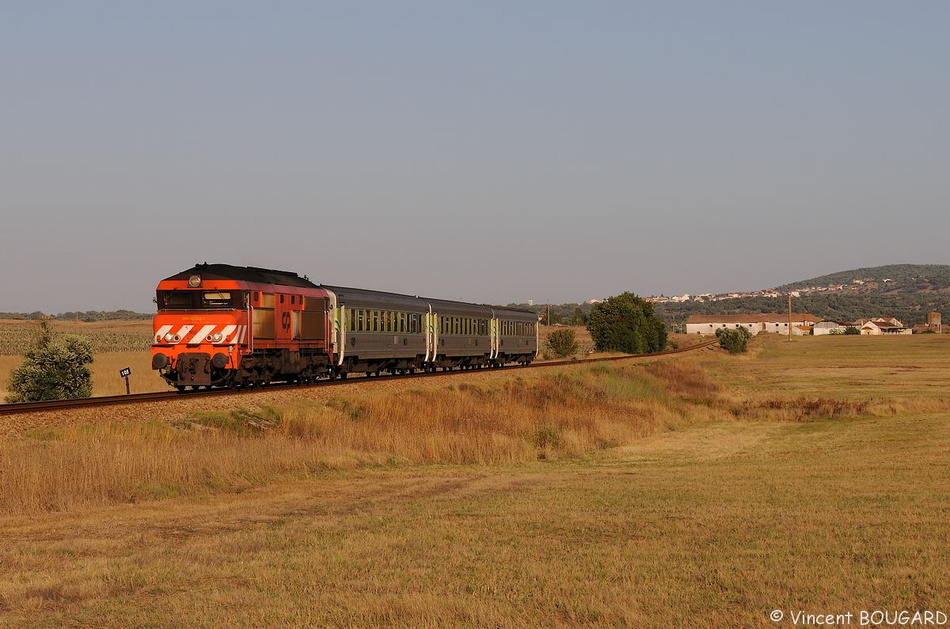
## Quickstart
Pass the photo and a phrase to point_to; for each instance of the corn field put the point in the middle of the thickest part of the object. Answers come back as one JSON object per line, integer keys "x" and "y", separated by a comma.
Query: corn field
{"x": 16, "y": 340}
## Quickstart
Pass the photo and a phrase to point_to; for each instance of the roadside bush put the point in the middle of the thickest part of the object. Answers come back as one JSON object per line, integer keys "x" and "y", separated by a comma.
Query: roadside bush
{"x": 562, "y": 343}
{"x": 53, "y": 370}
{"x": 733, "y": 340}
{"x": 851, "y": 331}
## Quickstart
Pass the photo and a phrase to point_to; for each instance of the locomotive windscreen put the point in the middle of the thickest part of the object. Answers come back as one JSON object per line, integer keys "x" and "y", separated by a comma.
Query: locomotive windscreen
{"x": 201, "y": 299}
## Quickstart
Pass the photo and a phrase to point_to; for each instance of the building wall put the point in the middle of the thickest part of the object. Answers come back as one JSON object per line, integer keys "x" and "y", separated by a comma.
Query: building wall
{"x": 828, "y": 327}
{"x": 776, "y": 327}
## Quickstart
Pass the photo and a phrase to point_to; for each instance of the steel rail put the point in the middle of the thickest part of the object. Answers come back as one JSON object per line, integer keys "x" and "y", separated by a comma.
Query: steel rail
{"x": 160, "y": 396}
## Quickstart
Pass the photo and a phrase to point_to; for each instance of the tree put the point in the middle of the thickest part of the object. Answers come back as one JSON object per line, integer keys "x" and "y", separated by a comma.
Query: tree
{"x": 733, "y": 340}
{"x": 562, "y": 343}
{"x": 626, "y": 323}
{"x": 53, "y": 370}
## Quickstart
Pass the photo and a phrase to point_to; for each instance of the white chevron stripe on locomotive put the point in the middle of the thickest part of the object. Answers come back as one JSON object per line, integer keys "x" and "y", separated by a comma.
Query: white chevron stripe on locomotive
{"x": 200, "y": 335}
{"x": 236, "y": 332}
{"x": 183, "y": 332}
{"x": 226, "y": 332}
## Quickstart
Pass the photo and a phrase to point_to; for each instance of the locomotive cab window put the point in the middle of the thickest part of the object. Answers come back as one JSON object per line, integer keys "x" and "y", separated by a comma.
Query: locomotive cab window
{"x": 198, "y": 299}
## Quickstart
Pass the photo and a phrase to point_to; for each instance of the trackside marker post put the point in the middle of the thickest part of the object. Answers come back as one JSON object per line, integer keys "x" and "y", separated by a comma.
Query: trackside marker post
{"x": 125, "y": 373}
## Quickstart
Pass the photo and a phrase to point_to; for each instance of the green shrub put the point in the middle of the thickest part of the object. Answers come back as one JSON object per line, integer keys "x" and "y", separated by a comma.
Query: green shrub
{"x": 626, "y": 323}
{"x": 562, "y": 343}
{"x": 53, "y": 370}
{"x": 733, "y": 340}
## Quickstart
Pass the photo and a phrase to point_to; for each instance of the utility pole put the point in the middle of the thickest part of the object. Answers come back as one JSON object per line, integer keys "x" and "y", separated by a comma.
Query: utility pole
{"x": 789, "y": 317}
{"x": 548, "y": 321}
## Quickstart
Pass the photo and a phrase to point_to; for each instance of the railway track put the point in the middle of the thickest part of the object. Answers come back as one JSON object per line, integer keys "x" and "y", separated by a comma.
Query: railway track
{"x": 137, "y": 398}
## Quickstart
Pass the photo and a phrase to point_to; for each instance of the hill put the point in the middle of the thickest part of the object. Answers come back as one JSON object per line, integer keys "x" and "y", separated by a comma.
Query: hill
{"x": 889, "y": 279}
{"x": 905, "y": 291}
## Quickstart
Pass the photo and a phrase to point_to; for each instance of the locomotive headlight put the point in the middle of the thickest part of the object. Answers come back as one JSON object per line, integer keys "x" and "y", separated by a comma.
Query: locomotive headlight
{"x": 215, "y": 338}
{"x": 194, "y": 281}
{"x": 169, "y": 337}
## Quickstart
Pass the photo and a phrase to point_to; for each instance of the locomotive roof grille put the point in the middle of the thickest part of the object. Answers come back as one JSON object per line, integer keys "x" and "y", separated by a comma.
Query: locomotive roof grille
{"x": 244, "y": 273}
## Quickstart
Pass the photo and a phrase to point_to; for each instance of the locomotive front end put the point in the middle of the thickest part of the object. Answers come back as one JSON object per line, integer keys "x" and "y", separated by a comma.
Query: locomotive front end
{"x": 199, "y": 332}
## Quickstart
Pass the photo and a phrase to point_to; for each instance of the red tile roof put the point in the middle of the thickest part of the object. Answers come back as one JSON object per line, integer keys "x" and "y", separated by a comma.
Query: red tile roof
{"x": 753, "y": 318}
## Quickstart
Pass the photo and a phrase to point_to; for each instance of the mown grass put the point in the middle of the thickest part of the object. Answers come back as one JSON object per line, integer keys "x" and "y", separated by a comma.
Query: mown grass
{"x": 703, "y": 527}
{"x": 606, "y": 496}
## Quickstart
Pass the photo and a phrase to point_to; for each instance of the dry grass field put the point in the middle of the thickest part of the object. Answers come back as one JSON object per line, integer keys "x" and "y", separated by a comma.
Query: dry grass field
{"x": 700, "y": 491}
{"x": 116, "y": 345}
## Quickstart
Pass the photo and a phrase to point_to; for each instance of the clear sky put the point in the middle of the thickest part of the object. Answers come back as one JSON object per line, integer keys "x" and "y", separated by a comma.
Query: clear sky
{"x": 484, "y": 151}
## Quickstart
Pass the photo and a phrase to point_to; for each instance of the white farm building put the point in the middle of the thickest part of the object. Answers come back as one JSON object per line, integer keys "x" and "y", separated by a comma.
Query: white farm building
{"x": 754, "y": 323}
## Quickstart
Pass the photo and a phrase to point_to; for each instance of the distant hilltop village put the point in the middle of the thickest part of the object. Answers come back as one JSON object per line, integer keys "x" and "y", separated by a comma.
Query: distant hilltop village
{"x": 854, "y": 287}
